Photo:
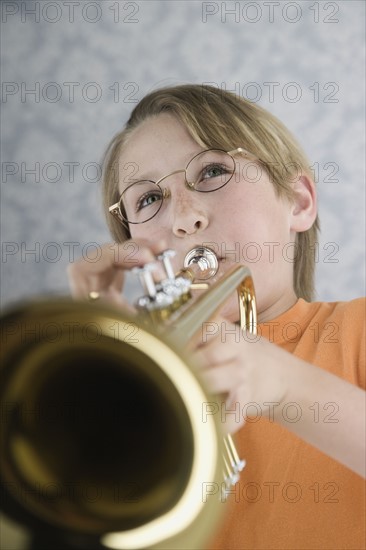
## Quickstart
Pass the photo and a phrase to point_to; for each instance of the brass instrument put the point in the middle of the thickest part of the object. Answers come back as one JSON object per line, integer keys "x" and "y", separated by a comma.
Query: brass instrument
{"x": 102, "y": 435}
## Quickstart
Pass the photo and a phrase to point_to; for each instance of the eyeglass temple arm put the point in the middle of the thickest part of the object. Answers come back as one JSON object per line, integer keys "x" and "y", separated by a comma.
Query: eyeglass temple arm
{"x": 114, "y": 210}
{"x": 242, "y": 152}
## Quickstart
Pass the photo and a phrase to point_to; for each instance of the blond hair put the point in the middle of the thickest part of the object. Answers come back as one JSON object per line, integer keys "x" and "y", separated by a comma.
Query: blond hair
{"x": 219, "y": 119}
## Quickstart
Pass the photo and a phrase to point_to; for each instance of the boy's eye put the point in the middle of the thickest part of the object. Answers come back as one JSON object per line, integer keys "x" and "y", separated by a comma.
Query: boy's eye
{"x": 148, "y": 199}
{"x": 141, "y": 201}
{"x": 214, "y": 171}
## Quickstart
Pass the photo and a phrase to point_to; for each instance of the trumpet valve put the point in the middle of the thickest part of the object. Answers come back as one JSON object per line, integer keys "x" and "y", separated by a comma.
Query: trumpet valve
{"x": 146, "y": 279}
{"x": 165, "y": 258}
{"x": 168, "y": 294}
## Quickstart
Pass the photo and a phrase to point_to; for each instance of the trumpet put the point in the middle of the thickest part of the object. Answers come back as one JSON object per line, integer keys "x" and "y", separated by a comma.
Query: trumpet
{"x": 103, "y": 441}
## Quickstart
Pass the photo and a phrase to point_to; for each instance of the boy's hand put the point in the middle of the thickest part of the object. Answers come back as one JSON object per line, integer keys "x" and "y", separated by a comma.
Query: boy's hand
{"x": 241, "y": 367}
{"x": 106, "y": 275}
{"x": 250, "y": 369}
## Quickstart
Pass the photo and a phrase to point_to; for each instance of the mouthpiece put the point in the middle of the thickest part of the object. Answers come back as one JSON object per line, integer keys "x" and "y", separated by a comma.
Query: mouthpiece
{"x": 203, "y": 261}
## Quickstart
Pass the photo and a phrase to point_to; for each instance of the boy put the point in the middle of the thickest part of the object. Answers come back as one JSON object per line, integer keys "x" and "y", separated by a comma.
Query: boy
{"x": 196, "y": 165}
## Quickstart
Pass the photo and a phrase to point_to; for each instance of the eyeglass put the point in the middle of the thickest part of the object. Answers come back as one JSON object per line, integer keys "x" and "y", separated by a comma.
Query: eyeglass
{"x": 206, "y": 172}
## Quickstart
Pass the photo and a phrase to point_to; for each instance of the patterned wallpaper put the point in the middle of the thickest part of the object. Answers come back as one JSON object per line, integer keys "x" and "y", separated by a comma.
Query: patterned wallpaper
{"x": 72, "y": 72}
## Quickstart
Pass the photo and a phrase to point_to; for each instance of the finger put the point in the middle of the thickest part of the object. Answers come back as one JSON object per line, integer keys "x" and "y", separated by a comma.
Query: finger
{"x": 223, "y": 379}
{"x": 216, "y": 352}
{"x": 222, "y": 382}
{"x": 209, "y": 331}
{"x": 79, "y": 283}
{"x": 117, "y": 299}
{"x": 137, "y": 252}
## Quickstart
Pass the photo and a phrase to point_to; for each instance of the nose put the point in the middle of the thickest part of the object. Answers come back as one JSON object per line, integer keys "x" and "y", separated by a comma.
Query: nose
{"x": 189, "y": 214}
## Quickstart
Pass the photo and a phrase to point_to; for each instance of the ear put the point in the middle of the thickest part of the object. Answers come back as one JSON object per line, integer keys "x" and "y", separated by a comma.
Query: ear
{"x": 304, "y": 205}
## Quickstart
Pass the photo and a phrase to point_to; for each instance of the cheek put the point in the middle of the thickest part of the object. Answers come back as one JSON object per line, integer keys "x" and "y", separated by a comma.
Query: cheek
{"x": 149, "y": 232}
{"x": 137, "y": 232}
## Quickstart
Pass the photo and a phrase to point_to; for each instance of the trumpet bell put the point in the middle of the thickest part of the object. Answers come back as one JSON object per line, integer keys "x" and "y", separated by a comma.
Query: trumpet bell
{"x": 103, "y": 434}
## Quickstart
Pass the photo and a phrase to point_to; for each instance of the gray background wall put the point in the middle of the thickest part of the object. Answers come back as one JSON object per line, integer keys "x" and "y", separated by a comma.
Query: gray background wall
{"x": 89, "y": 62}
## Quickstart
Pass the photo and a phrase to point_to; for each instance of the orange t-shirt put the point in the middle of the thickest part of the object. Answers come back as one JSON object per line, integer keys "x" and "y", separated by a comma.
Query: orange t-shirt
{"x": 290, "y": 495}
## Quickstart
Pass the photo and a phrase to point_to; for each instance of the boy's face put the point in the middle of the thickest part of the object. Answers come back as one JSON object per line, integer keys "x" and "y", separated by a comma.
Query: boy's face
{"x": 244, "y": 222}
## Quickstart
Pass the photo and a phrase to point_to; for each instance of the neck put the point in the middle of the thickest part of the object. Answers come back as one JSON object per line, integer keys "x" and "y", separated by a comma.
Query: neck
{"x": 277, "y": 308}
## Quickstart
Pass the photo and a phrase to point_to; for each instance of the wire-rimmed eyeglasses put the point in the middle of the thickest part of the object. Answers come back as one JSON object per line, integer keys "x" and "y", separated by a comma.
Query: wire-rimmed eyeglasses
{"x": 206, "y": 172}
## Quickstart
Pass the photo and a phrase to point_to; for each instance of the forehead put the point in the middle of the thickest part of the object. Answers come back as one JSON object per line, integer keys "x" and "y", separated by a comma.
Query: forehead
{"x": 158, "y": 145}
{"x": 164, "y": 126}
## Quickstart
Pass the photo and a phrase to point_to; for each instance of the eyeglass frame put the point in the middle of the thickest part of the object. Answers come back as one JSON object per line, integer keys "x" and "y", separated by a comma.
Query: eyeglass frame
{"x": 115, "y": 209}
